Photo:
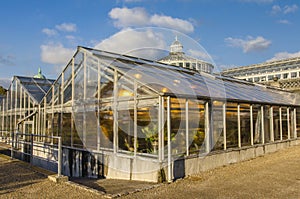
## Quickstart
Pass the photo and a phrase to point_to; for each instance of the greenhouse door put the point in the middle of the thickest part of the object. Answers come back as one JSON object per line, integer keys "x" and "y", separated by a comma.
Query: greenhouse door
{"x": 28, "y": 129}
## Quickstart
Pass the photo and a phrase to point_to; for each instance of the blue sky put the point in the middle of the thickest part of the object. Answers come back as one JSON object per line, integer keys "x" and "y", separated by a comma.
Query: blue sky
{"x": 45, "y": 34}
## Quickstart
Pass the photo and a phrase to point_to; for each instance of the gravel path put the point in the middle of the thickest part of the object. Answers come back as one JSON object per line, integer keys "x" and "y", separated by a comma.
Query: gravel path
{"x": 275, "y": 175}
{"x": 18, "y": 180}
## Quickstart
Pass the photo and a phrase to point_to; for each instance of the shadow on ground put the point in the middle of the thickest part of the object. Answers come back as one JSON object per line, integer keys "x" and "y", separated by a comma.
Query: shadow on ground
{"x": 113, "y": 187}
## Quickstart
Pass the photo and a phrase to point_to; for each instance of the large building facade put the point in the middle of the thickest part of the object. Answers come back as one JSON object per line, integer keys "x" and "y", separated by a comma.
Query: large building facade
{"x": 284, "y": 74}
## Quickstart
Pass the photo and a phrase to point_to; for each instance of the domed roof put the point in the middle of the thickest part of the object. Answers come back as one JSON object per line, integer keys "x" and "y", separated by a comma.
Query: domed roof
{"x": 176, "y": 46}
{"x": 39, "y": 75}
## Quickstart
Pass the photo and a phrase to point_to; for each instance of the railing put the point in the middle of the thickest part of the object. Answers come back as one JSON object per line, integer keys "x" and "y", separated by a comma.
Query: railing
{"x": 27, "y": 146}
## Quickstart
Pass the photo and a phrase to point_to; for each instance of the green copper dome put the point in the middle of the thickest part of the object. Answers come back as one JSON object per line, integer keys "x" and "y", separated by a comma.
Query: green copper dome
{"x": 39, "y": 75}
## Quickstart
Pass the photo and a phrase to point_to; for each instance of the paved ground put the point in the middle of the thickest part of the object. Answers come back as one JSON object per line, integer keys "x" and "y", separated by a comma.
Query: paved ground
{"x": 275, "y": 175}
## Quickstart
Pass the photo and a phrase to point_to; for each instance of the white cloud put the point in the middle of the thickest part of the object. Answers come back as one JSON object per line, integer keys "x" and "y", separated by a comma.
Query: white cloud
{"x": 146, "y": 43}
{"x": 276, "y": 9}
{"x": 173, "y": 23}
{"x": 137, "y": 17}
{"x": 126, "y": 17}
{"x": 70, "y": 37}
{"x": 250, "y": 44}
{"x": 284, "y": 21}
{"x": 66, "y": 27}
{"x": 284, "y": 55}
{"x": 290, "y": 9}
{"x": 56, "y": 53}
{"x": 49, "y": 32}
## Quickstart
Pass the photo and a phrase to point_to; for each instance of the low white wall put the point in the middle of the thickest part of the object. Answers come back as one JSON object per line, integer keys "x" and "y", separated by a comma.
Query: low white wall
{"x": 141, "y": 169}
{"x": 118, "y": 166}
{"x": 218, "y": 159}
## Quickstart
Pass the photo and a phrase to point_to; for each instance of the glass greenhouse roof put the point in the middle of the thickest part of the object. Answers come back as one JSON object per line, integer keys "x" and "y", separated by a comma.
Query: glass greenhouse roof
{"x": 36, "y": 87}
{"x": 172, "y": 80}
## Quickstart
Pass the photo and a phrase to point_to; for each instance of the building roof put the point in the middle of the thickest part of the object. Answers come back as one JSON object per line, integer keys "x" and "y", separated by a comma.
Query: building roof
{"x": 168, "y": 80}
{"x": 177, "y": 57}
{"x": 35, "y": 87}
{"x": 270, "y": 66}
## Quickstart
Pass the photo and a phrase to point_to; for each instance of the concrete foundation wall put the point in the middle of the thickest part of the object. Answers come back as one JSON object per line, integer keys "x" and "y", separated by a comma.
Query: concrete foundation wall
{"x": 214, "y": 160}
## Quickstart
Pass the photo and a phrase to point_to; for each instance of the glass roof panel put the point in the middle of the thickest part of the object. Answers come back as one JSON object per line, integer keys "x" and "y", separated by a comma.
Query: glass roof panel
{"x": 36, "y": 88}
{"x": 167, "y": 79}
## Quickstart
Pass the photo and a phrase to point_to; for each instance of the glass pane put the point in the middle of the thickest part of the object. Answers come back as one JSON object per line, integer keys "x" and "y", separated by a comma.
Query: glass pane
{"x": 231, "y": 125}
{"x": 126, "y": 130}
{"x": 256, "y": 124}
{"x": 68, "y": 75}
{"x": 78, "y": 129}
{"x": 78, "y": 84}
{"x": 267, "y": 123}
{"x": 284, "y": 123}
{"x": 196, "y": 126}
{"x": 106, "y": 121}
{"x": 90, "y": 128}
{"x": 107, "y": 85}
{"x": 66, "y": 130}
{"x": 68, "y": 93}
{"x": 91, "y": 77}
{"x": 147, "y": 129}
{"x": 178, "y": 126}
{"x": 245, "y": 124}
{"x": 218, "y": 134}
{"x": 276, "y": 123}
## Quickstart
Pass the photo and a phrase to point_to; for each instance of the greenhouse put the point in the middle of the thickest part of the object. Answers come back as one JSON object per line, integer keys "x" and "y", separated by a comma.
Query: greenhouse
{"x": 130, "y": 118}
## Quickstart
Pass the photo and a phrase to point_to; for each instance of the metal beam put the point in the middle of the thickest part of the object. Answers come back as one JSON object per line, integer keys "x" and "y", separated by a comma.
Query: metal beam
{"x": 169, "y": 139}
{"x": 251, "y": 125}
{"x": 271, "y": 125}
{"x": 224, "y": 127}
{"x": 239, "y": 126}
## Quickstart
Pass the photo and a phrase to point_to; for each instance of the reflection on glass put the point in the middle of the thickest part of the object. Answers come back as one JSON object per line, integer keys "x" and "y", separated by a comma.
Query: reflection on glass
{"x": 276, "y": 123}
{"x": 78, "y": 130}
{"x": 66, "y": 129}
{"x": 106, "y": 121}
{"x": 90, "y": 129}
{"x": 245, "y": 124}
{"x": 298, "y": 121}
{"x": 267, "y": 123}
{"x": 256, "y": 111}
{"x": 178, "y": 126}
{"x": 231, "y": 125}
{"x": 218, "y": 134}
{"x": 196, "y": 126}
{"x": 147, "y": 130}
{"x": 284, "y": 123}
{"x": 126, "y": 130}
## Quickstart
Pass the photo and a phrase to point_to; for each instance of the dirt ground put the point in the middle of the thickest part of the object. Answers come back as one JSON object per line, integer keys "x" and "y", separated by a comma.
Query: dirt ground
{"x": 275, "y": 175}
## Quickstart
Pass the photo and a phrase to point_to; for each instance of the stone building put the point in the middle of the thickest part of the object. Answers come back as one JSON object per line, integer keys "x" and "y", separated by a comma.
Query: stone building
{"x": 284, "y": 74}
